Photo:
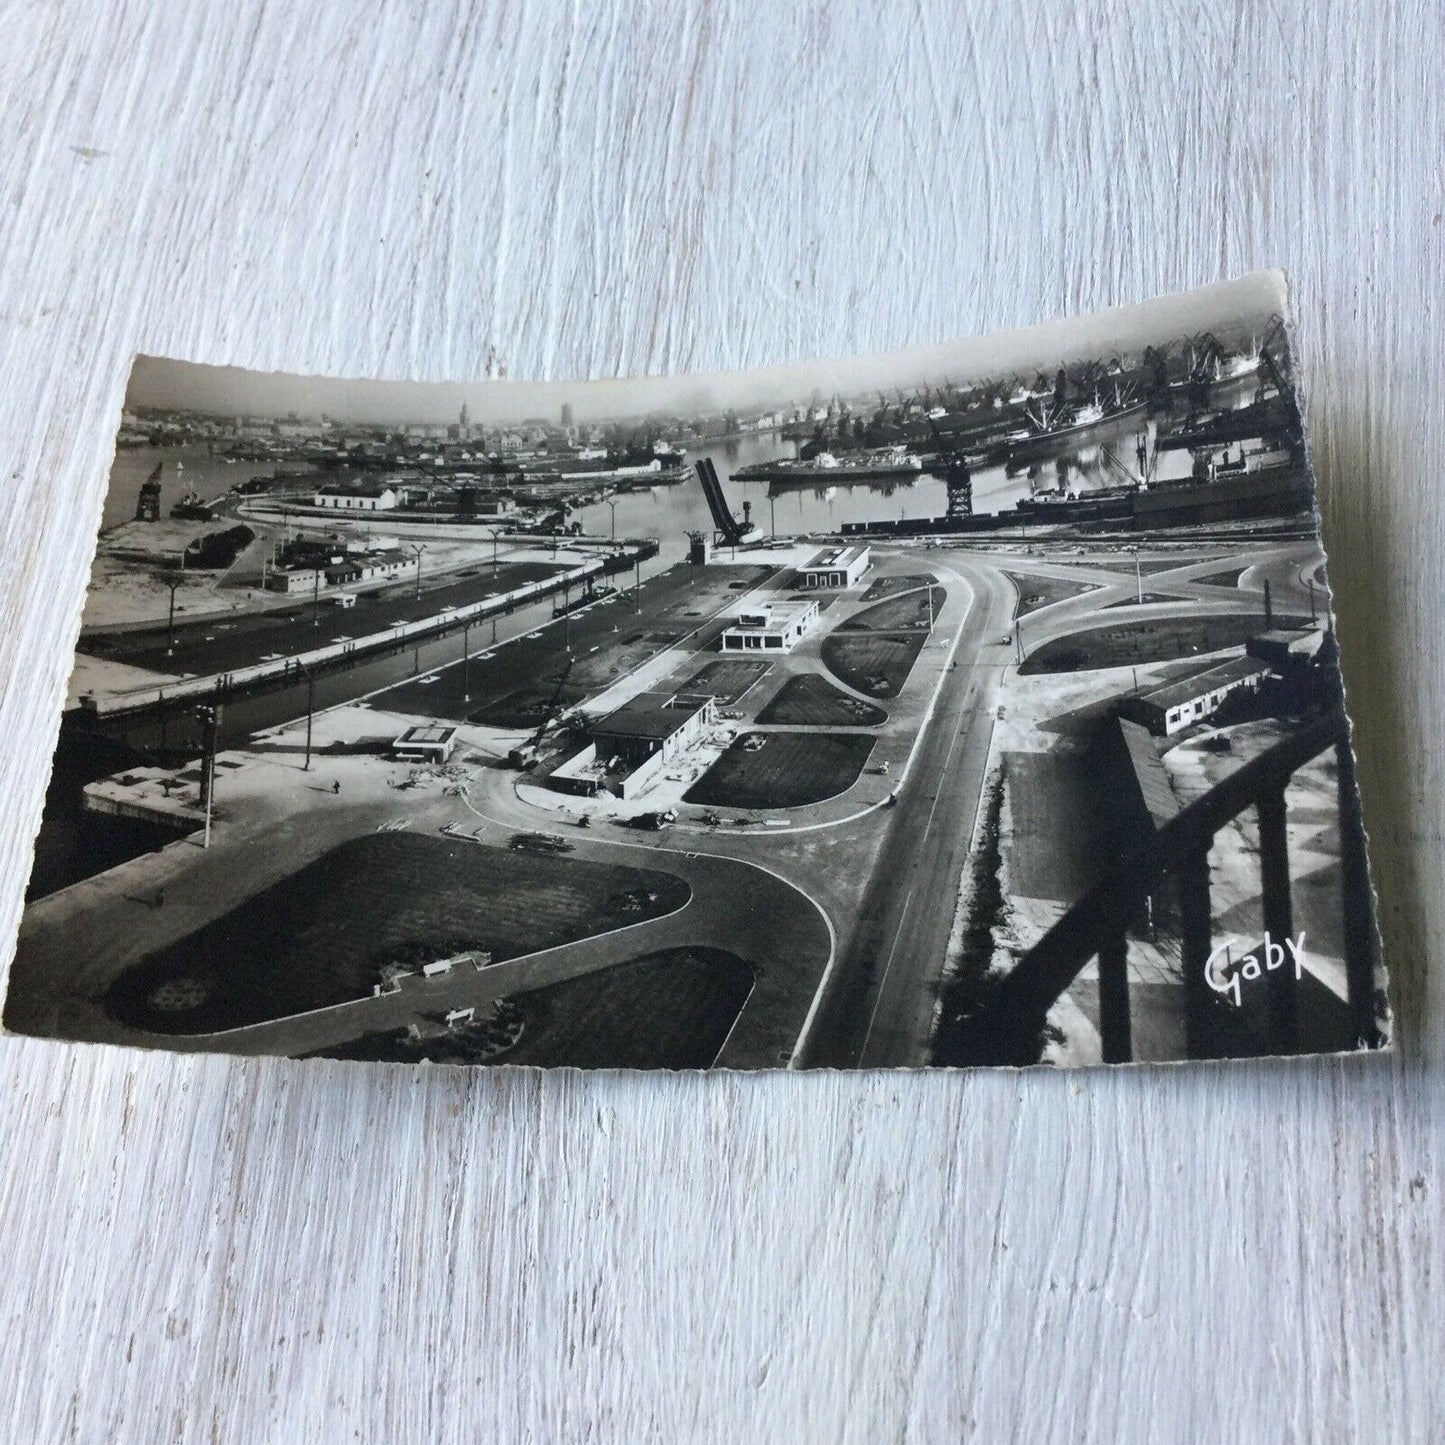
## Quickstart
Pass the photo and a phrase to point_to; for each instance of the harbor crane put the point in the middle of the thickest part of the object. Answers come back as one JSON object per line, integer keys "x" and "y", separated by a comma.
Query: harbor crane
{"x": 957, "y": 477}
{"x": 524, "y": 756}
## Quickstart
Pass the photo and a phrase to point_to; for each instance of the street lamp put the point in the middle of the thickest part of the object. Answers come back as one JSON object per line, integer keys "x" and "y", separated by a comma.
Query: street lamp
{"x": 173, "y": 581}
{"x": 416, "y": 552}
{"x": 612, "y": 506}
{"x": 1138, "y": 578}
{"x": 310, "y": 709}
{"x": 494, "y": 533}
{"x": 466, "y": 660}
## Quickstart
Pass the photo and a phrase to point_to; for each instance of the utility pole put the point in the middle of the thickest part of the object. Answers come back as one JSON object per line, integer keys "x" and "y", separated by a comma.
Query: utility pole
{"x": 316, "y": 598}
{"x": 612, "y": 505}
{"x": 417, "y": 551}
{"x": 772, "y": 515}
{"x": 210, "y": 720}
{"x": 172, "y": 582}
{"x": 310, "y": 712}
{"x": 637, "y": 581}
{"x": 466, "y": 661}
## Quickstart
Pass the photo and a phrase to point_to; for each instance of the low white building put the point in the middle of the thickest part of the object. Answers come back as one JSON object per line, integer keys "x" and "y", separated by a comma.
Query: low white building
{"x": 425, "y": 743}
{"x": 356, "y": 499}
{"x": 770, "y": 627}
{"x": 834, "y": 567}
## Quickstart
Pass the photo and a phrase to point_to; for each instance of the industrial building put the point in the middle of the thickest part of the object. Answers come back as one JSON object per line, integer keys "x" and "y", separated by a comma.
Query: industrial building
{"x": 770, "y": 627}
{"x": 356, "y": 499}
{"x": 309, "y": 563}
{"x": 1170, "y": 708}
{"x": 425, "y": 743}
{"x": 835, "y": 568}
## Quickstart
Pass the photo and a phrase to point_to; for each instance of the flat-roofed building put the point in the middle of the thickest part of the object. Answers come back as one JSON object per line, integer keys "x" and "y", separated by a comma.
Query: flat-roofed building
{"x": 770, "y": 626}
{"x": 1168, "y": 709}
{"x": 651, "y": 724}
{"x": 834, "y": 567}
{"x": 632, "y": 744}
{"x": 425, "y": 743}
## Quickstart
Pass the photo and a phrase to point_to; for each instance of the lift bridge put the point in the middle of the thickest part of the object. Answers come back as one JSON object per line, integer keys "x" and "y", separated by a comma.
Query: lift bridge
{"x": 730, "y": 530}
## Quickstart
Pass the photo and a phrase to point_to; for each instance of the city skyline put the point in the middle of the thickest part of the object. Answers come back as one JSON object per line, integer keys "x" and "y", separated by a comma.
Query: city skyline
{"x": 1228, "y": 308}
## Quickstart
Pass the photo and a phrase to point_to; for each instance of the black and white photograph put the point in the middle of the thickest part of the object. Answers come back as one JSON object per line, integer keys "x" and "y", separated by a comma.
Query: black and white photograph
{"x": 972, "y": 705}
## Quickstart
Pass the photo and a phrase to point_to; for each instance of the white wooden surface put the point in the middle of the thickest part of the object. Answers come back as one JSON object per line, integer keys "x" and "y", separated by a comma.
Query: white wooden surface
{"x": 220, "y": 1250}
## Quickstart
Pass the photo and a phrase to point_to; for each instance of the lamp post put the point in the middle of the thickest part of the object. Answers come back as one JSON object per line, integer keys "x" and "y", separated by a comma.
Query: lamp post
{"x": 612, "y": 507}
{"x": 310, "y": 710}
{"x": 173, "y": 581}
{"x": 1138, "y": 578}
{"x": 416, "y": 552}
{"x": 466, "y": 661}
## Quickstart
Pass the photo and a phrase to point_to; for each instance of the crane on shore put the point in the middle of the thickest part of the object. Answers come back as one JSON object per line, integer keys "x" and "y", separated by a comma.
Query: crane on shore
{"x": 524, "y": 756}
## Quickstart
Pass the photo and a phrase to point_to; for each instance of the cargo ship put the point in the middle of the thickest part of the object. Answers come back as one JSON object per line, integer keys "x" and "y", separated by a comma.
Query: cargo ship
{"x": 1085, "y": 421}
{"x": 825, "y": 469}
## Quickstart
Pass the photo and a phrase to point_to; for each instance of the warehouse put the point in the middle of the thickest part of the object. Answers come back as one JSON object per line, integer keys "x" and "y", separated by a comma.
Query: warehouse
{"x": 356, "y": 499}
{"x": 1174, "y": 706}
{"x": 834, "y": 567}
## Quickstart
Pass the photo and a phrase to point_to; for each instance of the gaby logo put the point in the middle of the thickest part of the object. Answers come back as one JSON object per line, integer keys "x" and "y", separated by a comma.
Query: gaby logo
{"x": 1223, "y": 972}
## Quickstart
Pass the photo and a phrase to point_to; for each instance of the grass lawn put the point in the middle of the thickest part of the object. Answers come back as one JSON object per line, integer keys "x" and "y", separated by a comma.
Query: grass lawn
{"x": 810, "y": 700}
{"x": 323, "y": 935}
{"x": 669, "y": 1010}
{"x": 1036, "y": 592}
{"x": 890, "y": 586}
{"x": 905, "y": 613}
{"x": 1147, "y": 598}
{"x": 789, "y": 770}
{"x": 1140, "y": 642}
{"x": 726, "y": 680}
{"x": 1228, "y": 578}
{"x": 875, "y": 663}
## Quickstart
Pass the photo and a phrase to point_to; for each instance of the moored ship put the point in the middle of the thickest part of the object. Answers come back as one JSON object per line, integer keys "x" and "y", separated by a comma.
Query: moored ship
{"x": 890, "y": 463}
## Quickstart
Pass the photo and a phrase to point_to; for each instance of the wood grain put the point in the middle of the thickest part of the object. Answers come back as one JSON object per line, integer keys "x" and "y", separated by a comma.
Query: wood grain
{"x": 206, "y": 1249}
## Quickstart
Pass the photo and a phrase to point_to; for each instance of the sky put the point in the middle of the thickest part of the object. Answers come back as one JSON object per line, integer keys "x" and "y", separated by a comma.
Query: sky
{"x": 1230, "y": 308}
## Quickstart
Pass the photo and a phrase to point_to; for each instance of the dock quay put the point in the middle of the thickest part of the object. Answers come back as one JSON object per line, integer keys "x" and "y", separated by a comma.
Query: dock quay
{"x": 282, "y": 670}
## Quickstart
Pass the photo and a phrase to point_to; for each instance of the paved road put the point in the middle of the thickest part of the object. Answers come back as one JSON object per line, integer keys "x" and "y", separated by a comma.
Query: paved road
{"x": 881, "y": 1000}
{"x": 879, "y": 1006}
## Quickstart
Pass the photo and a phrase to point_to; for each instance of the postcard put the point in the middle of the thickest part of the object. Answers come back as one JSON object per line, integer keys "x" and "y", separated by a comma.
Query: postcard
{"x": 977, "y": 704}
